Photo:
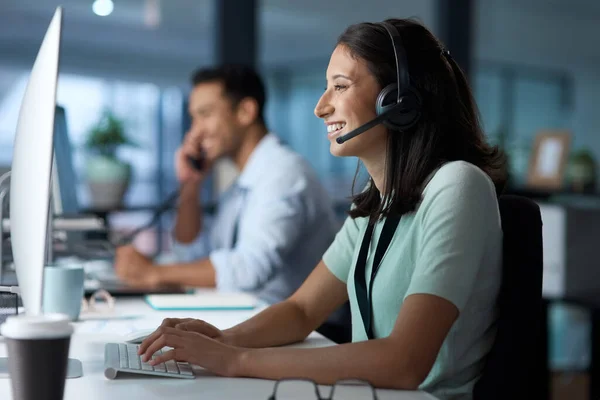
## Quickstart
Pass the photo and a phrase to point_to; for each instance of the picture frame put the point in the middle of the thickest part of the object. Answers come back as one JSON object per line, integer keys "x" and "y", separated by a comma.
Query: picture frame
{"x": 549, "y": 160}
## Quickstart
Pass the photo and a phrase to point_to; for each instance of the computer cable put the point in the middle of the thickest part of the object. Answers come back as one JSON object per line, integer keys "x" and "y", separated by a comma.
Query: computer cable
{"x": 197, "y": 164}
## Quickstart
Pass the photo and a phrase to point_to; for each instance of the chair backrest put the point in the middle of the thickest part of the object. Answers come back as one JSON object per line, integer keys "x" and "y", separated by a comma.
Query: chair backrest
{"x": 513, "y": 366}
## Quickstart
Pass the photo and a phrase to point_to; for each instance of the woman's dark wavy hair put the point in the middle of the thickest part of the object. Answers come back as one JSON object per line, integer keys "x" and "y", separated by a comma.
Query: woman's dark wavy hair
{"x": 448, "y": 129}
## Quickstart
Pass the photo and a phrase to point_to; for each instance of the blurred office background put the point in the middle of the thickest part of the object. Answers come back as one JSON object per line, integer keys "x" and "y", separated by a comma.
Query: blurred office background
{"x": 532, "y": 63}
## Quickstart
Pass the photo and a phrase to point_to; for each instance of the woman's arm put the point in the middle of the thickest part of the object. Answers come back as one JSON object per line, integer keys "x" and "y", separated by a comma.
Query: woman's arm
{"x": 295, "y": 318}
{"x": 400, "y": 361}
{"x": 287, "y": 322}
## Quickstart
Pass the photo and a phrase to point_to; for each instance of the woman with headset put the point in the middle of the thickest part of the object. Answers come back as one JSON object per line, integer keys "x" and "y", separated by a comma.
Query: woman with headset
{"x": 419, "y": 256}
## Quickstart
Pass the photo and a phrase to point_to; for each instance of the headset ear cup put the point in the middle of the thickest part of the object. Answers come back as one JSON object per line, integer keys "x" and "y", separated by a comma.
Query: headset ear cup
{"x": 409, "y": 113}
{"x": 387, "y": 98}
{"x": 405, "y": 116}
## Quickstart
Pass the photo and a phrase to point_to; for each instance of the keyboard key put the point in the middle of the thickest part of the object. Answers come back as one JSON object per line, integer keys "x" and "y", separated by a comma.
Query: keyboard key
{"x": 185, "y": 369}
{"x": 160, "y": 367}
{"x": 123, "y": 359}
{"x": 134, "y": 359}
{"x": 172, "y": 366}
{"x": 147, "y": 367}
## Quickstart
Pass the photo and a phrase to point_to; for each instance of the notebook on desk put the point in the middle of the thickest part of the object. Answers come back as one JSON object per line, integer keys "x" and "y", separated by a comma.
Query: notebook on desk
{"x": 202, "y": 300}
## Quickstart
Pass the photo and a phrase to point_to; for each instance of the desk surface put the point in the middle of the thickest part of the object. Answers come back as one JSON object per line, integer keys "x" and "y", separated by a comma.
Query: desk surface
{"x": 131, "y": 314}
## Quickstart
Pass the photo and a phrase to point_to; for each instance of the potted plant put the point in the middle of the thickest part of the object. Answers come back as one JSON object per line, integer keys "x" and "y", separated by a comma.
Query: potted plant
{"x": 581, "y": 171}
{"x": 107, "y": 176}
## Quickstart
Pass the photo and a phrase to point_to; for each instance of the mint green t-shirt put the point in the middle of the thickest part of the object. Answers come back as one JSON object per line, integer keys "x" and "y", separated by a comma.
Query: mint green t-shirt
{"x": 451, "y": 247}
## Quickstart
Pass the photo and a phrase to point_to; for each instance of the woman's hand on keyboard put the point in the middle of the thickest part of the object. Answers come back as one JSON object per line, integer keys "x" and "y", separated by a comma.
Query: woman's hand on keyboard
{"x": 182, "y": 324}
{"x": 190, "y": 347}
{"x": 199, "y": 326}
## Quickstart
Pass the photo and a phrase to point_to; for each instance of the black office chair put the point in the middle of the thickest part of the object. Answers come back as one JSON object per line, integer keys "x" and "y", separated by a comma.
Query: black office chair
{"x": 516, "y": 365}
{"x": 339, "y": 328}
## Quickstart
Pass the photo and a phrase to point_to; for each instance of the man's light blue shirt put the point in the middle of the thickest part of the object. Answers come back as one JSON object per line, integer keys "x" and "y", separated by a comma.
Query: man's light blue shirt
{"x": 285, "y": 222}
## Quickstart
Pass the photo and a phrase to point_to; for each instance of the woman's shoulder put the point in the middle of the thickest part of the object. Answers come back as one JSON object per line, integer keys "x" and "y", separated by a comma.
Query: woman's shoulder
{"x": 459, "y": 184}
{"x": 461, "y": 175}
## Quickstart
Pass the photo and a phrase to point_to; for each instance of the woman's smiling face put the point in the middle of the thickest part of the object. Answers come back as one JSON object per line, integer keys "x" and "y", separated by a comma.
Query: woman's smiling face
{"x": 349, "y": 102}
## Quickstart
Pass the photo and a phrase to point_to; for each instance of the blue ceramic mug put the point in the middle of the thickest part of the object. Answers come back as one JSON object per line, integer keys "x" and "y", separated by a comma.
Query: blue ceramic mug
{"x": 63, "y": 289}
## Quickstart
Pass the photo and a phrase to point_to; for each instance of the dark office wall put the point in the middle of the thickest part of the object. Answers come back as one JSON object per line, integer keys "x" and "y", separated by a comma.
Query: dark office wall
{"x": 558, "y": 39}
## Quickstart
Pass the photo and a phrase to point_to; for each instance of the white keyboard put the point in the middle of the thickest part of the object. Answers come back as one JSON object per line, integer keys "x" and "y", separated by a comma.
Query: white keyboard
{"x": 123, "y": 357}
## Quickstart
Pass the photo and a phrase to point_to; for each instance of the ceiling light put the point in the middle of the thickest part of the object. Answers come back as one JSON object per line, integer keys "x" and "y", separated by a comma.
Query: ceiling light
{"x": 152, "y": 13}
{"x": 103, "y": 7}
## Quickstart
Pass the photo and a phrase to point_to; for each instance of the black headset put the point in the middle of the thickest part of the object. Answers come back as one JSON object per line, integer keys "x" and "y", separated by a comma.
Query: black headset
{"x": 401, "y": 93}
{"x": 398, "y": 104}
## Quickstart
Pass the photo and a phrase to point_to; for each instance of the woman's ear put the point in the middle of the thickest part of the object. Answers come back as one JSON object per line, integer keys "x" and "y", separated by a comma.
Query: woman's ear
{"x": 247, "y": 111}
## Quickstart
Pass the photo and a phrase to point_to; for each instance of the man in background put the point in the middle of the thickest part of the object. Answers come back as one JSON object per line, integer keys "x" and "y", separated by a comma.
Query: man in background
{"x": 273, "y": 224}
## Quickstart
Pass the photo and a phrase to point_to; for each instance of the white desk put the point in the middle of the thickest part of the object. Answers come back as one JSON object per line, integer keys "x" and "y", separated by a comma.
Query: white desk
{"x": 90, "y": 336}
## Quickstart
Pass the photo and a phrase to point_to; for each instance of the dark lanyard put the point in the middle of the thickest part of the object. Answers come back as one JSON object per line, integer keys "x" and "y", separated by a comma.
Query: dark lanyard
{"x": 236, "y": 225}
{"x": 235, "y": 232}
{"x": 365, "y": 302}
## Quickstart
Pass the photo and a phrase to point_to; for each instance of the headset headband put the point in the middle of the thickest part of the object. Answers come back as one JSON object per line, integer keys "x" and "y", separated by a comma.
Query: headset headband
{"x": 400, "y": 56}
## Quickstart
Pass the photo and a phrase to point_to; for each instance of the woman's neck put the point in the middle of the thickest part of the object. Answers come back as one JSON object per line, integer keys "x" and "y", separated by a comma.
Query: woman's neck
{"x": 376, "y": 168}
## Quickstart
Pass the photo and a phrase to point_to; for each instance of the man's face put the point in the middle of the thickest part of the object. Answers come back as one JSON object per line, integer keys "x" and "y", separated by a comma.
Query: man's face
{"x": 214, "y": 121}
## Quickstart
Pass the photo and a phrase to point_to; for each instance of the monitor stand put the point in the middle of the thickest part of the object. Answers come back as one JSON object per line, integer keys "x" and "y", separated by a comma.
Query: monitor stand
{"x": 74, "y": 369}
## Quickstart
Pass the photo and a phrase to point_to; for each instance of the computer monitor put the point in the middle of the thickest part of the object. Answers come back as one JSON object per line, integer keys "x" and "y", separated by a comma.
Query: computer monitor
{"x": 64, "y": 179}
{"x": 64, "y": 198}
{"x": 31, "y": 170}
{"x": 31, "y": 175}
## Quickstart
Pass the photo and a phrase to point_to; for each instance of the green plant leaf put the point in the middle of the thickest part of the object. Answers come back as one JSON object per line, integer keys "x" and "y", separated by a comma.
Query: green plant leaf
{"x": 107, "y": 135}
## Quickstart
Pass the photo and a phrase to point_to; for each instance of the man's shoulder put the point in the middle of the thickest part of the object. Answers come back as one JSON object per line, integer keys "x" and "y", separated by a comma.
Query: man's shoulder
{"x": 284, "y": 154}
{"x": 284, "y": 163}
{"x": 281, "y": 172}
